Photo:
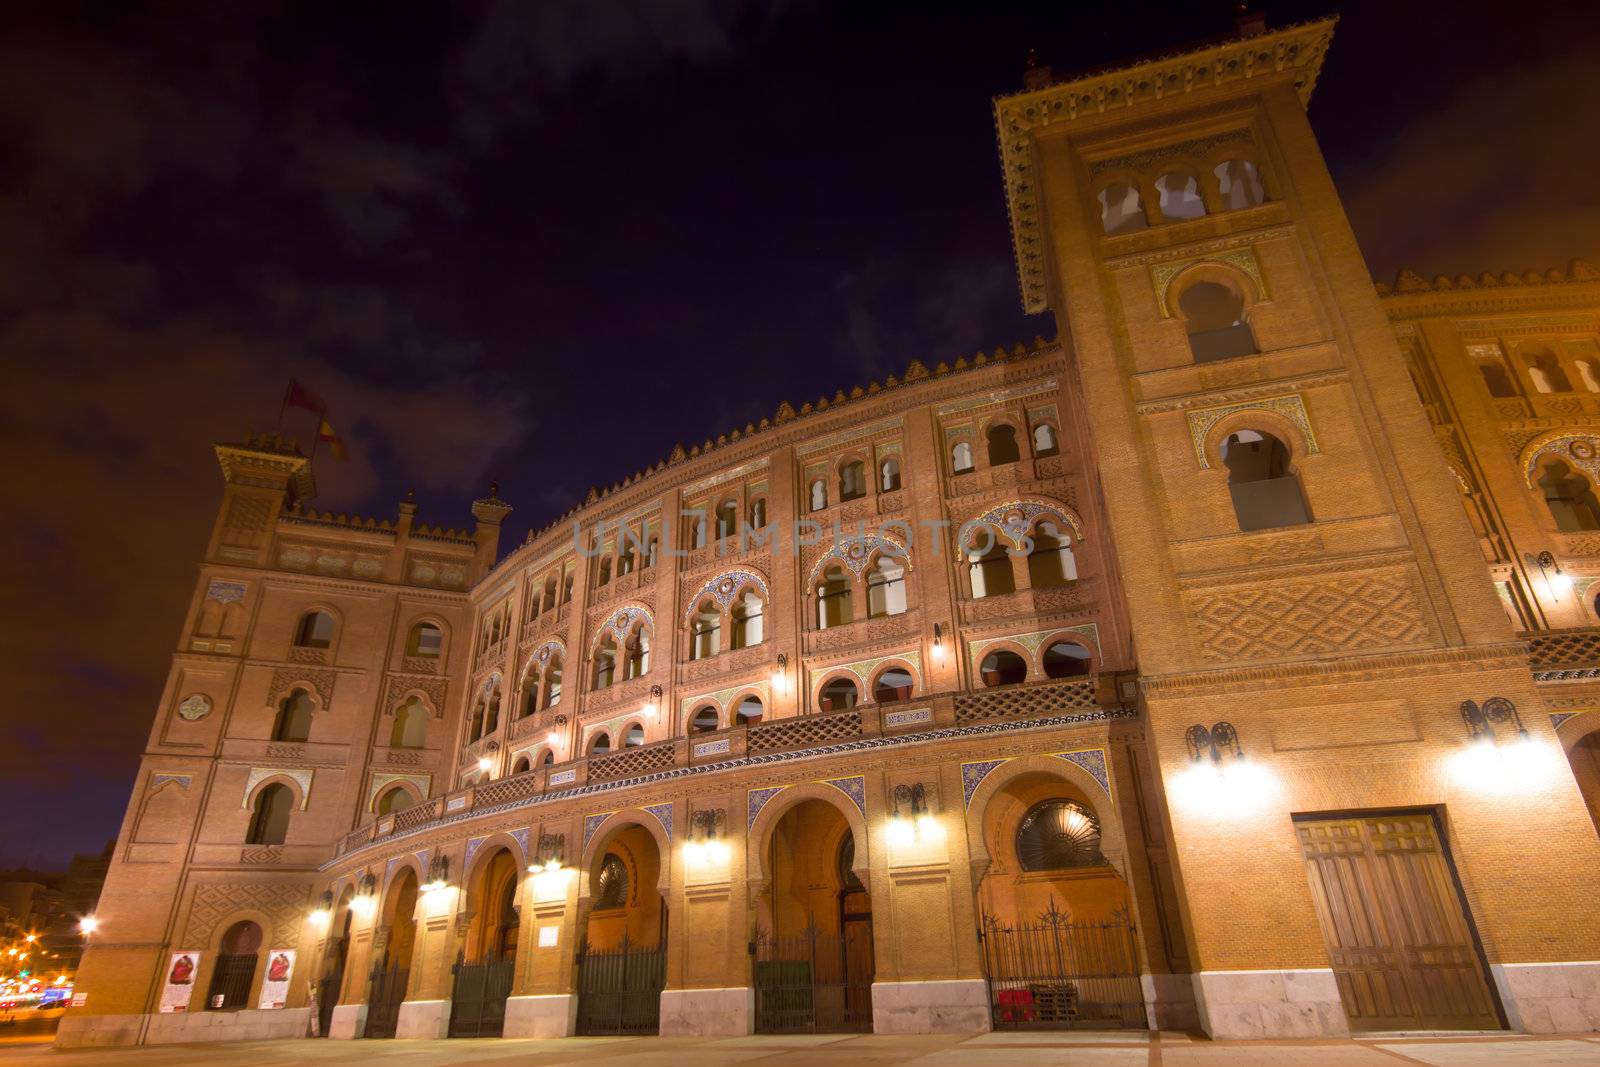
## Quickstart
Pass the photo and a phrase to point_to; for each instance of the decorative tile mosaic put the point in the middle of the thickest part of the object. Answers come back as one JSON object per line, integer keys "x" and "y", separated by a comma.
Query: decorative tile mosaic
{"x": 663, "y": 814}
{"x": 908, "y": 717}
{"x": 1559, "y": 717}
{"x": 591, "y": 823}
{"x": 159, "y": 780}
{"x": 621, "y": 621}
{"x": 1031, "y": 641}
{"x": 1289, "y": 406}
{"x": 1242, "y": 258}
{"x": 225, "y": 592}
{"x": 724, "y": 587}
{"x": 854, "y": 788}
{"x": 456, "y": 803}
{"x": 855, "y": 550}
{"x": 302, "y": 776}
{"x": 472, "y": 850}
{"x": 721, "y": 696}
{"x": 712, "y": 748}
{"x": 1014, "y": 520}
{"x": 972, "y": 776}
{"x": 1092, "y": 760}
{"x": 562, "y": 777}
{"x": 757, "y": 799}
{"x": 521, "y": 838}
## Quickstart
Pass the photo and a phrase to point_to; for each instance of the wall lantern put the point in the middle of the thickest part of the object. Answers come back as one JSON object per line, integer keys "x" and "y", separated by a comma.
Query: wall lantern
{"x": 705, "y": 842}
{"x": 912, "y": 820}
{"x": 550, "y": 855}
{"x": 654, "y": 703}
{"x": 1220, "y": 738}
{"x": 1524, "y": 765}
{"x": 554, "y": 737}
{"x": 1480, "y": 720}
{"x": 1558, "y": 581}
{"x": 323, "y": 911}
{"x": 438, "y": 874}
{"x": 780, "y": 677}
{"x": 938, "y": 643}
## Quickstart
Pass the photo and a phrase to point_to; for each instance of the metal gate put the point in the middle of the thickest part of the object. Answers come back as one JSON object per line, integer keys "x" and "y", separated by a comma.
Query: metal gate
{"x": 327, "y": 998}
{"x": 1054, "y": 973}
{"x": 230, "y": 982}
{"x": 619, "y": 989}
{"x": 385, "y": 993}
{"x": 814, "y": 982}
{"x": 478, "y": 1000}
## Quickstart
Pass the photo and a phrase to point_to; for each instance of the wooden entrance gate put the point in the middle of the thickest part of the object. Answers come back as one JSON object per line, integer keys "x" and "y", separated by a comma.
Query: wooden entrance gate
{"x": 478, "y": 1001}
{"x": 814, "y": 982}
{"x": 386, "y": 991}
{"x": 619, "y": 989}
{"x": 1056, "y": 974}
{"x": 1392, "y": 913}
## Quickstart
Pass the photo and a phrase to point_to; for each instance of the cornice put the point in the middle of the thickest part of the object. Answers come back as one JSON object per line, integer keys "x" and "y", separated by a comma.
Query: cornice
{"x": 1505, "y": 656}
{"x": 1241, "y": 393}
{"x": 1296, "y": 51}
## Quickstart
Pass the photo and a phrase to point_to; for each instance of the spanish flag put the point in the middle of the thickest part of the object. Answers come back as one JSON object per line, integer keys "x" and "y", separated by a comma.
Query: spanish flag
{"x": 335, "y": 443}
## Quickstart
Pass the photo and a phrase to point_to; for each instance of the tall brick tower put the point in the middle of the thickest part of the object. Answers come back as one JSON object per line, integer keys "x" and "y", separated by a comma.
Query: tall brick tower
{"x": 1358, "y": 847}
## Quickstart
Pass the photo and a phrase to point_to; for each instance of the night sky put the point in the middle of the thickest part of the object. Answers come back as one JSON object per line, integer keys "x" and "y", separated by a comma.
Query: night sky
{"x": 541, "y": 242}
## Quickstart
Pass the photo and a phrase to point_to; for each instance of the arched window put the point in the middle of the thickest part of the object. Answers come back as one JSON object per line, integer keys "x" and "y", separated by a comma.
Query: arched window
{"x": 1003, "y": 667}
{"x": 819, "y": 495}
{"x": 393, "y": 800}
{"x": 1050, "y": 562}
{"x": 522, "y": 766}
{"x": 611, "y": 886}
{"x": 697, "y": 528}
{"x": 1214, "y": 316}
{"x": 294, "y": 717}
{"x": 1266, "y": 494}
{"x": 1180, "y": 196}
{"x": 1044, "y": 440}
{"x": 549, "y": 602}
{"x": 605, "y": 662}
{"x": 235, "y": 969}
{"x": 625, "y": 555}
{"x": 475, "y": 730}
{"x": 1544, "y": 370}
{"x": 552, "y": 683}
{"x": 834, "y": 606}
{"x": 269, "y": 817}
{"x": 705, "y": 630}
{"x": 1496, "y": 378}
{"x": 530, "y": 695}
{"x": 758, "y": 513}
{"x": 1238, "y": 184}
{"x": 889, "y": 475}
{"x": 604, "y": 572}
{"x": 1570, "y": 498}
{"x": 1058, "y": 835}
{"x": 634, "y": 737}
{"x": 990, "y": 572}
{"x": 1588, "y": 374}
{"x": 315, "y": 630}
{"x": 637, "y": 663}
{"x": 892, "y": 685}
{"x": 960, "y": 457}
{"x": 410, "y": 729}
{"x": 1121, "y": 210}
{"x": 749, "y": 621}
{"x": 548, "y": 759}
{"x": 491, "y": 719}
{"x": 886, "y": 588}
{"x": 727, "y": 519}
{"x": 426, "y": 640}
{"x": 838, "y": 694}
{"x": 651, "y": 544}
{"x": 600, "y": 744}
{"x": 1066, "y": 659}
{"x": 566, "y": 589}
{"x": 1002, "y": 444}
{"x": 705, "y": 720}
{"x": 853, "y": 480}
{"x": 749, "y": 711}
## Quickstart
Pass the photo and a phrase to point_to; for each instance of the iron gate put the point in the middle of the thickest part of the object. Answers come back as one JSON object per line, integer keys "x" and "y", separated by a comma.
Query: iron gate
{"x": 327, "y": 998}
{"x": 230, "y": 982}
{"x": 385, "y": 993}
{"x": 619, "y": 989}
{"x": 812, "y": 982}
{"x": 1054, "y": 973}
{"x": 478, "y": 1000}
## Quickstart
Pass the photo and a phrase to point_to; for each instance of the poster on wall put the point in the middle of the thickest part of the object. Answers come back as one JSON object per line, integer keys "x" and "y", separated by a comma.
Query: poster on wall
{"x": 180, "y": 981}
{"x": 275, "y": 986}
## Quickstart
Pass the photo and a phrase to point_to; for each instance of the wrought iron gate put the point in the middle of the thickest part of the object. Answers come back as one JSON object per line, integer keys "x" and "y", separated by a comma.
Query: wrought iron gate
{"x": 230, "y": 982}
{"x": 619, "y": 989}
{"x": 478, "y": 1000}
{"x": 386, "y": 991}
{"x": 1054, "y": 973}
{"x": 327, "y": 999}
{"x": 814, "y": 982}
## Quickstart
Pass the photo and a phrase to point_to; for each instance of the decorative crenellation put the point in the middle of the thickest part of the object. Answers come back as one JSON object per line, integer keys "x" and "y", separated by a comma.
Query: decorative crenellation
{"x": 1409, "y": 281}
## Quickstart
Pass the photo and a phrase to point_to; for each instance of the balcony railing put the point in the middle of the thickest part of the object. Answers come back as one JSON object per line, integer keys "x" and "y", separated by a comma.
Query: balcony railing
{"x": 799, "y": 734}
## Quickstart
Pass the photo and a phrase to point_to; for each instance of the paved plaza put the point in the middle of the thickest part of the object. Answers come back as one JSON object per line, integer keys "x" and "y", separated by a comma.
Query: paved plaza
{"x": 842, "y": 1050}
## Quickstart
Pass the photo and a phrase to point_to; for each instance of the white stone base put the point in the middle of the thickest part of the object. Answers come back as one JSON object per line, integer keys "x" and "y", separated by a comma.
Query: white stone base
{"x": 1550, "y": 998}
{"x": 553, "y": 1015}
{"x": 708, "y": 1012}
{"x": 349, "y": 1021}
{"x": 951, "y": 1007}
{"x": 1169, "y": 1002}
{"x": 182, "y": 1027}
{"x": 423, "y": 1018}
{"x": 1241, "y": 1005}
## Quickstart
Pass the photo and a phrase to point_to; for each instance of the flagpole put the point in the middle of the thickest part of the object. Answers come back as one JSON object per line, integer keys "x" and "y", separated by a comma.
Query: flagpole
{"x": 284, "y": 406}
{"x": 316, "y": 437}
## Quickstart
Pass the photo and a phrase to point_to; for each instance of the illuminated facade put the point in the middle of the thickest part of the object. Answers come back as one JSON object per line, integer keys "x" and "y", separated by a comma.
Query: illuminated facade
{"x": 1170, "y": 642}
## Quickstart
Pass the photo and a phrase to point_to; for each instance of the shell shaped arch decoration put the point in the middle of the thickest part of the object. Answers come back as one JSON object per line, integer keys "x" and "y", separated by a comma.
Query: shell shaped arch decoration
{"x": 1580, "y": 450}
{"x": 724, "y": 587}
{"x": 1013, "y": 520}
{"x": 855, "y": 551}
{"x": 619, "y": 622}
{"x": 540, "y": 658}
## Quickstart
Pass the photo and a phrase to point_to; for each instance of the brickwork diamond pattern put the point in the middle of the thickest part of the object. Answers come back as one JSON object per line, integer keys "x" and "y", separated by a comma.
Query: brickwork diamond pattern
{"x": 1363, "y": 612}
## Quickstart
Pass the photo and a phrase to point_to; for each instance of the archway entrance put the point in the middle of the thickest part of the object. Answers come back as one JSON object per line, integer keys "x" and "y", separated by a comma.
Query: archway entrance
{"x": 486, "y": 966}
{"x": 235, "y": 969}
{"x": 1055, "y": 917}
{"x": 386, "y": 989}
{"x": 1584, "y": 756}
{"x": 622, "y": 962}
{"x": 332, "y": 980}
{"x": 813, "y": 968}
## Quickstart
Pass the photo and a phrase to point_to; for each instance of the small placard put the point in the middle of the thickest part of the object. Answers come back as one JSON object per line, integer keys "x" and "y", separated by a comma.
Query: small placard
{"x": 549, "y": 936}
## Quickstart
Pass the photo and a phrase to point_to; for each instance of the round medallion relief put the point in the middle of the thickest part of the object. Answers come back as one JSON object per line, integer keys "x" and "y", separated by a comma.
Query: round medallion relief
{"x": 195, "y": 706}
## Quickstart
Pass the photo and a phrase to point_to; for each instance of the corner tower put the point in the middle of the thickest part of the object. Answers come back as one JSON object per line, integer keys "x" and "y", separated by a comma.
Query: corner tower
{"x": 1297, "y": 567}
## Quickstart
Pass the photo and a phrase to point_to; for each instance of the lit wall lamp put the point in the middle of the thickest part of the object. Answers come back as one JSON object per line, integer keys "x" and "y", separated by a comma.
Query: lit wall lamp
{"x": 912, "y": 819}
{"x": 654, "y": 703}
{"x": 550, "y": 855}
{"x": 1220, "y": 738}
{"x": 365, "y": 902}
{"x": 705, "y": 842}
{"x": 438, "y": 874}
{"x": 323, "y": 912}
{"x": 88, "y": 925}
{"x": 1480, "y": 720}
{"x": 1553, "y": 577}
{"x": 554, "y": 736}
{"x": 938, "y": 642}
{"x": 780, "y": 676}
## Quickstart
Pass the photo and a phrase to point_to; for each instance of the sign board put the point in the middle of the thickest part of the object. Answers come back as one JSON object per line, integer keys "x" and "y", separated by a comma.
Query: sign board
{"x": 275, "y": 986}
{"x": 180, "y": 981}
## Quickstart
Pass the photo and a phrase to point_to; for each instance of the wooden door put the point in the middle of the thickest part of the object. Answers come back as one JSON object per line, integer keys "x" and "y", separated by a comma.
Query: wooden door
{"x": 1391, "y": 913}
